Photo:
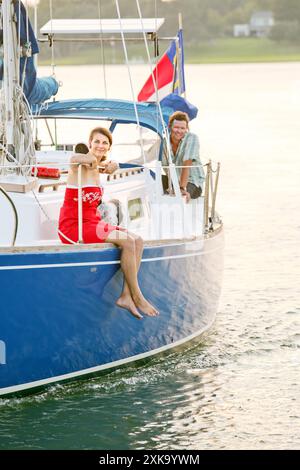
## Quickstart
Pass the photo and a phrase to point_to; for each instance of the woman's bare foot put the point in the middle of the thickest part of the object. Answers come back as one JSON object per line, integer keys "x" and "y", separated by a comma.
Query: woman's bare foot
{"x": 142, "y": 304}
{"x": 128, "y": 304}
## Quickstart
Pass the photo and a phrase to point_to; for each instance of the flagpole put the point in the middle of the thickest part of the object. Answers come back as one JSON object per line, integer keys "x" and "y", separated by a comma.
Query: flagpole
{"x": 180, "y": 20}
{"x": 179, "y": 64}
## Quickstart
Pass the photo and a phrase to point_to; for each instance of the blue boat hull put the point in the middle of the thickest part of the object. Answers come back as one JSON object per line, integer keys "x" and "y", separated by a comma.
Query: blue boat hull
{"x": 59, "y": 319}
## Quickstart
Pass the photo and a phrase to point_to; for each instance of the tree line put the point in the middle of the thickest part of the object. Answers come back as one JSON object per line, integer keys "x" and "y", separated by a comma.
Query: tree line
{"x": 203, "y": 20}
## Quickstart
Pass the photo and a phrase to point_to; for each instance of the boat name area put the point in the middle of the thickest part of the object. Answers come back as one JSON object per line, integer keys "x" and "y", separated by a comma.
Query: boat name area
{"x": 2, "y": 352}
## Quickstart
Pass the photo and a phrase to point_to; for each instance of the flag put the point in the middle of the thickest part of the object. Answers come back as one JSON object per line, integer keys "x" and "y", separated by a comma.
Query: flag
{"x": 168, "y": 73}
{"x": 179, "y": 79}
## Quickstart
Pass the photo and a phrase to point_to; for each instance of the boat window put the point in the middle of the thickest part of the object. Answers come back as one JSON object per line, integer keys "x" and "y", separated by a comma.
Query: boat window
{"x": 65, "y": 130}
{"x": 126, "y": 138}
{"x": 135, "y": 208}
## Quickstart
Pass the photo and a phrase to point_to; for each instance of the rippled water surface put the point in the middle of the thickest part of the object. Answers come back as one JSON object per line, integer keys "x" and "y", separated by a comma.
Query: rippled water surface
{"x": 239, "y": 388}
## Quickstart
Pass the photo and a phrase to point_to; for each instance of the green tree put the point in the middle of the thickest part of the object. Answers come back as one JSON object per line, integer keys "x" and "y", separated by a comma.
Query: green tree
{"x": 287, "y": 10}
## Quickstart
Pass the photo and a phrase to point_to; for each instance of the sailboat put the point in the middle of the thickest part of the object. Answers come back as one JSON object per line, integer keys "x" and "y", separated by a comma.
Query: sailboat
{"x": 59, "y": 321}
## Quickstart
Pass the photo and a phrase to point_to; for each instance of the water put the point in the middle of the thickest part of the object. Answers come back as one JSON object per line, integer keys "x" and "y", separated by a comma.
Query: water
{"x": 239, "y": 388}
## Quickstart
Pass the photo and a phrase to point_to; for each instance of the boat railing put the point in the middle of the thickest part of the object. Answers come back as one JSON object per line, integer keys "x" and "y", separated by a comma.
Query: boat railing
{"x": 210, "y": 187}
{"x": 209, "y": 195}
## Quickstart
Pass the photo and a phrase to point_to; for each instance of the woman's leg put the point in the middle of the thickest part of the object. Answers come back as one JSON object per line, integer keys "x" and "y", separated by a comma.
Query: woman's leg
{"x": 139, "y": 247}
{"x": 131, "y": 297}
{"x": 125, "y": 300}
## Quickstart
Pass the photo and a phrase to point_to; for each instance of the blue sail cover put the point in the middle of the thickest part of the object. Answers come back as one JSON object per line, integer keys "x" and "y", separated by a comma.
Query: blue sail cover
{"x": 117, "y": 111}
{"x": 36, "y": 90}
{"x": 178, "y": 103}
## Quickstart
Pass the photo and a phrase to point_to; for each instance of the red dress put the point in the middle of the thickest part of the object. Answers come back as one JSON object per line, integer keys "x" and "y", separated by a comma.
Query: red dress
{"x": 94, "y": 230}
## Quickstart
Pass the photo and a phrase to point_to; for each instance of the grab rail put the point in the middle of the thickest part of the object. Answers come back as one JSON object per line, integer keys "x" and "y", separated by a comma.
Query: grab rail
{"x": 210, "y": 190}
{"x": 80, "y": 224}
{"x": 206, "y": 197}
{"x": 215, "y": 189}
{"x": 210, "y": 196}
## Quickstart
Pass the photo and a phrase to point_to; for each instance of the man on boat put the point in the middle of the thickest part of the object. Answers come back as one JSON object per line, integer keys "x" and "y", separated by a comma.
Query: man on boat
{"x": 185, "y": 150}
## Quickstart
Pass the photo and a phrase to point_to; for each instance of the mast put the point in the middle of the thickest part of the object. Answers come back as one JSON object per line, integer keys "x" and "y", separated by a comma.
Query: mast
{"x": 17, "y": 140}
{"x": 10, "y": 73}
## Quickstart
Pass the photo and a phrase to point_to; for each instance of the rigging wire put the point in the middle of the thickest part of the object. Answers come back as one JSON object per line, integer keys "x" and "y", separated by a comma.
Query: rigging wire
{"x": 53, "y": 63}
{"x": 102, "y": 48}
{"x": 130, "y": 80}
{"x": 156, "y": 62}
{"x": 22, "y": 78}
{"x": 159, "y": 110}
{"x": 52, "y": 41}
{"x": 156, "y": 56}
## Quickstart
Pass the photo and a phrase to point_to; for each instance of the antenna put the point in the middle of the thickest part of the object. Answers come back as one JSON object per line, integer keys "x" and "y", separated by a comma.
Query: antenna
{"x": 180, "y": 20}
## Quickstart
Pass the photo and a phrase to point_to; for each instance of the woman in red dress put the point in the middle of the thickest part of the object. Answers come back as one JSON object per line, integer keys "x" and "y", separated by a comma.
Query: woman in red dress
{"x": 95, "y": 230}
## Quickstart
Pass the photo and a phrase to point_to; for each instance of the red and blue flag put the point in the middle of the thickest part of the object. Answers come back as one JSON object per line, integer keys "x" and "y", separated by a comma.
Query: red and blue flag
{"x": 168, "y": 73}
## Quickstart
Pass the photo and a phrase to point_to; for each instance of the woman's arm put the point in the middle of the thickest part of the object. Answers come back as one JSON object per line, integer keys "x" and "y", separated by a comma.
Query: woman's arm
{"x": 109, "y": 167}
{"x": 87, "y": 159}
{"x": 89, "y": 164}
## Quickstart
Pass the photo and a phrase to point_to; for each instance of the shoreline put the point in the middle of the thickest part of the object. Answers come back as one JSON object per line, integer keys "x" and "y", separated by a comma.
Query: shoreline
{"x": 217, "y": 51}
{"x": 60, "y": 63}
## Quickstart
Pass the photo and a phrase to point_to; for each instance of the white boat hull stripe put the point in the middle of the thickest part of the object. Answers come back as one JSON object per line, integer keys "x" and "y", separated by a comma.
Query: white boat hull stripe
{"x": 100, "y": 263}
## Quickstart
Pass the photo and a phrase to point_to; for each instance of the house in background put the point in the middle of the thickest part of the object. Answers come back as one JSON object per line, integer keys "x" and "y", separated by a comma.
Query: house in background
{"x": 241, "y": 30}
{"x": 260, "y": 25}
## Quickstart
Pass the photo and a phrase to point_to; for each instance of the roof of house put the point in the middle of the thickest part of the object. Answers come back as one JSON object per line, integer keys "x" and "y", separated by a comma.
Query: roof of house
{"x": 262, "y": 14}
